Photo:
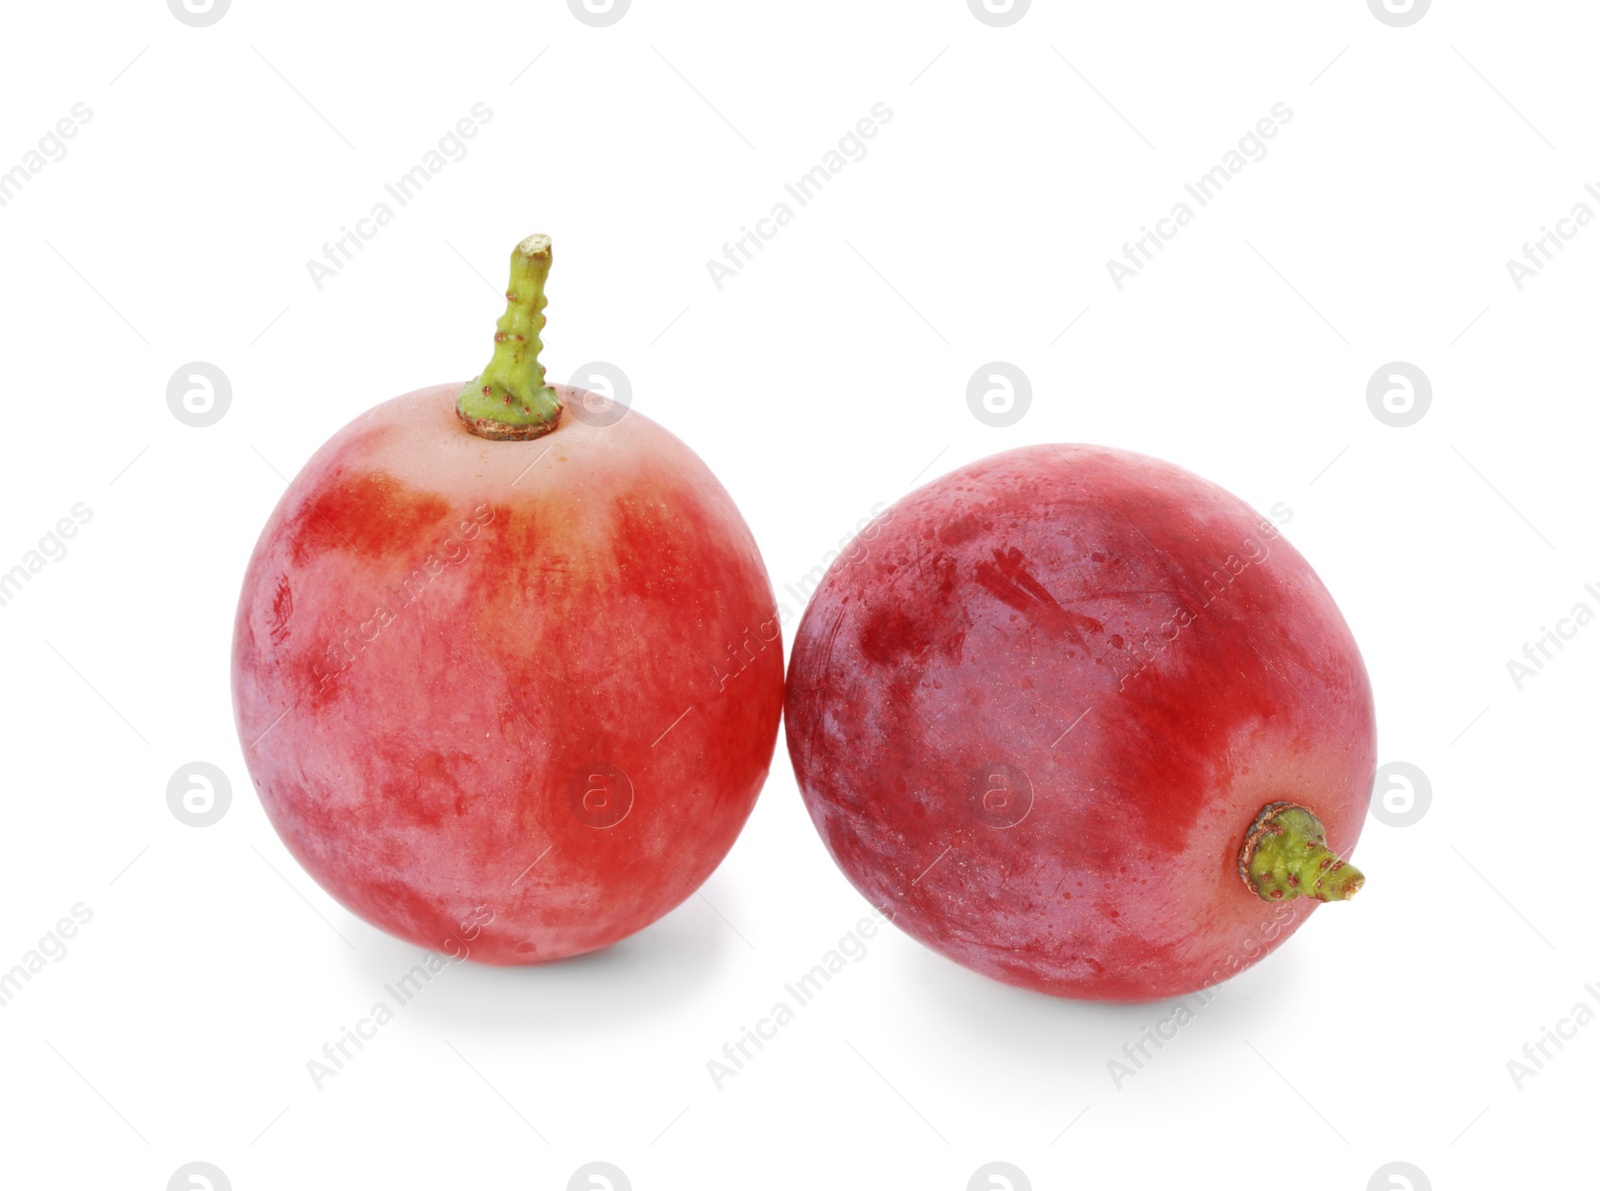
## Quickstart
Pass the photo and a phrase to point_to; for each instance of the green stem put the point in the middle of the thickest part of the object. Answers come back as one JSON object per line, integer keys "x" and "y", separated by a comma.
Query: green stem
{"x": 510, "y": 399}
{"x": 1286, "y": 853}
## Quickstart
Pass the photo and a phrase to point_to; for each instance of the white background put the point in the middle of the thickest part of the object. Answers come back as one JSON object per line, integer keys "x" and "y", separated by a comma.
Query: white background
{"x": 820, "y": 381}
